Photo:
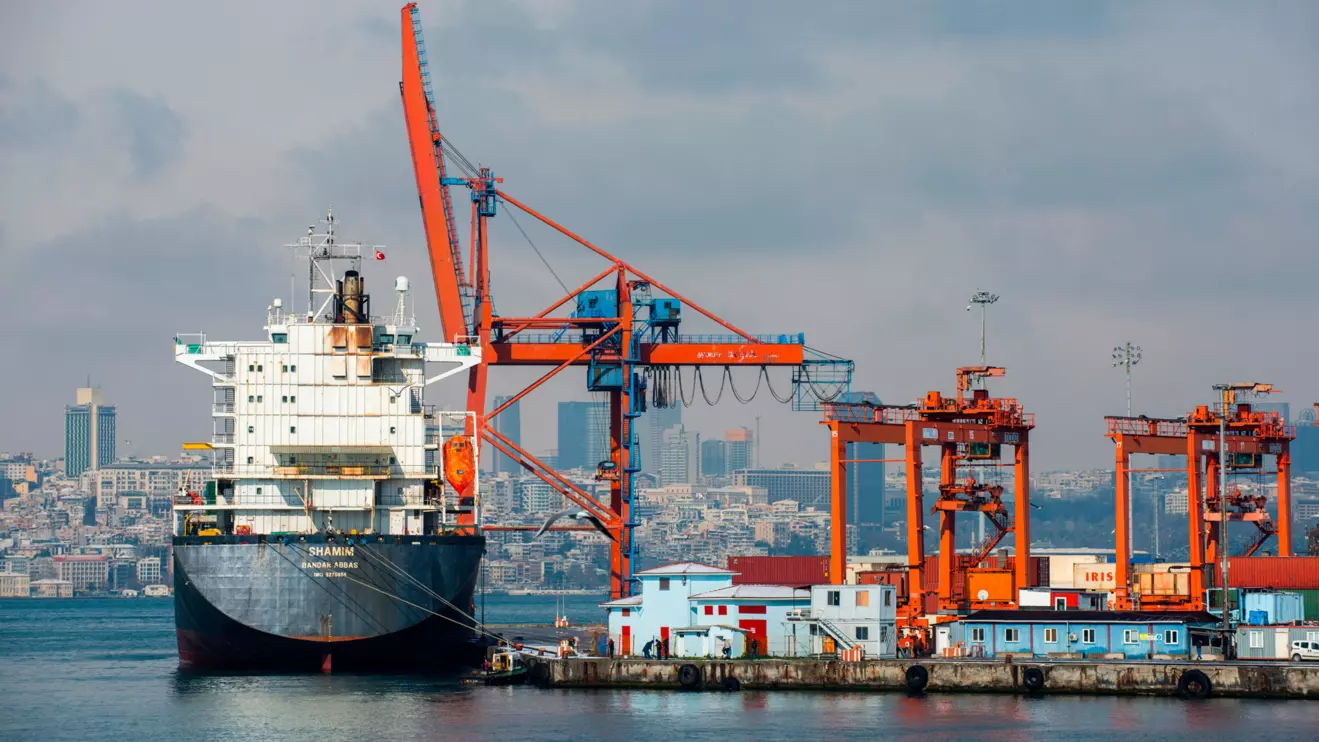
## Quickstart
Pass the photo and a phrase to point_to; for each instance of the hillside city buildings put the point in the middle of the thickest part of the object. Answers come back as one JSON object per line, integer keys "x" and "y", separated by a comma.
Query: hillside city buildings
{"x": 699, "y": 497}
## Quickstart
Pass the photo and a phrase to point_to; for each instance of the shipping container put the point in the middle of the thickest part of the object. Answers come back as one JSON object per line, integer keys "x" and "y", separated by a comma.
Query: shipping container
{"x": 1273, "y": 608}
{"x": 989, "y": 585}
{"x": 792, "y": 571}
{"x": 1275, "y": 573}
{"x": 1309, "y": 604}
{"x": 1094, "y": 576}
{"x": 1062, "y": 568}
{"x": 1151, "y": 584}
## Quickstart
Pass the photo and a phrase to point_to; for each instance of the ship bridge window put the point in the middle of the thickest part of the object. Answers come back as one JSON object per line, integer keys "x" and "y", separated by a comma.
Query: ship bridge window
{"x": 404, "y": 339}
{"x": 386, "y": 339}
{"x": 279, "y": 337}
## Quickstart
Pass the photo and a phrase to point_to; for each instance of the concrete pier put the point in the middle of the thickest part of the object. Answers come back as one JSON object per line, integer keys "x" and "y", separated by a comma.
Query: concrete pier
{"x": 1084, "y": 677}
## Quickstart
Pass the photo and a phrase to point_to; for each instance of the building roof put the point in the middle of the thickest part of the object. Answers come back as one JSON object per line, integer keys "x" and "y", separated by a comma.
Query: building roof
{"x": 628, "y": 602}
{"x": 684, "y": 568}
{"x": 754, "y": 592}
{"x": 705, "y": 628}
{"x": 1051, "y": 616}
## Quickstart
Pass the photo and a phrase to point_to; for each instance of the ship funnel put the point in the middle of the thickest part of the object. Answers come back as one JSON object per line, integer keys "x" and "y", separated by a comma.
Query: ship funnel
{"x": 354, "y": 298}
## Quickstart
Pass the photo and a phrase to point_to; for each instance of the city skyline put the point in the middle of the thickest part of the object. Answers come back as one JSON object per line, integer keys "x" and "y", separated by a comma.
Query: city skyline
{"x": 1095, "y": 173}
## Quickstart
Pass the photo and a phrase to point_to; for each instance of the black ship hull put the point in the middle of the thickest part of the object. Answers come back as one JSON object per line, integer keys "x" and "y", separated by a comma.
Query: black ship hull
{"x": 309, "y": 603}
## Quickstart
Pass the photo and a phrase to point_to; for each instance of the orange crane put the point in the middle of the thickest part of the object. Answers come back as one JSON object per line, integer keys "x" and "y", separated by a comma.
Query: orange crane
{"x": 622, "y": 325}
{"x": 1249, "y": 436}
{"x": 970, "y": 430}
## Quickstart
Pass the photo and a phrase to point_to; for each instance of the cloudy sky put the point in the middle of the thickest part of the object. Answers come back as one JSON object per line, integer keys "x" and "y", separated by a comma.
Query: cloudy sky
{"x": 1142, "y": 171}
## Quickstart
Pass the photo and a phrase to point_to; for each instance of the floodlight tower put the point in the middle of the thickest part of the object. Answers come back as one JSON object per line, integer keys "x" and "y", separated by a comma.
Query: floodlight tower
{"x": 982, "y": 299}
{"x": 1124, "y": 357}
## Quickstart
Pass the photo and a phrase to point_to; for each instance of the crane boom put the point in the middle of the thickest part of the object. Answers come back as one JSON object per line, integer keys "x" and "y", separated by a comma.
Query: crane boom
{"x": 428, "y": 164}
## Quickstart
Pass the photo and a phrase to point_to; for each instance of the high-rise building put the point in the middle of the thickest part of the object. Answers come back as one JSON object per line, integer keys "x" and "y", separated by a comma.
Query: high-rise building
{"x": 865, "y": 476}
{"x": 650, "y": 435}
{"x": 680, "y": 456}
{"x": 583, "y": 434}
{"x": 714, "y": 458}
{"x": 508, "y": 424}
{"x": 806, "y": 487}
{"x": 741, "y": 448}
{"x": 89, "y": 433}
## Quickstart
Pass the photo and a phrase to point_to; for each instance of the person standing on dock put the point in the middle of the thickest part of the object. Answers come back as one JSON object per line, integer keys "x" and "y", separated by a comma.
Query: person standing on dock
{"x": 727, "y": 650}
{"x": 645, "y": 651}
{"x": 610, "y": 647}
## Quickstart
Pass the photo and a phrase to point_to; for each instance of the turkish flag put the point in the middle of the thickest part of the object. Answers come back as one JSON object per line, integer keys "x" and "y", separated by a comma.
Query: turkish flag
{"x": 380, "y": 255}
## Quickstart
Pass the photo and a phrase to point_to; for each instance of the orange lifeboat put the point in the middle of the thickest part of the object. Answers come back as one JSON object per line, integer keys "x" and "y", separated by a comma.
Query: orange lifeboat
{"x": 459, "y": 463}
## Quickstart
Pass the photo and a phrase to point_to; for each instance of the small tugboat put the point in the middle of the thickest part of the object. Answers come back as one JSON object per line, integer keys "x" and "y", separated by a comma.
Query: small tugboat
{"x": 504, "y": 666}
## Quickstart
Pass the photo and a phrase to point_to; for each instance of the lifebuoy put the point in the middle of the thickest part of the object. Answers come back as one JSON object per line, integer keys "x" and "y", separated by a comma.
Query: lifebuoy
{"x": 1194, "y": 684}
{"x": 689, "y": 676}
{"x": 1033, "y": 679}
{"x": 731, "y": 684}
{"x": 917, "y": 678}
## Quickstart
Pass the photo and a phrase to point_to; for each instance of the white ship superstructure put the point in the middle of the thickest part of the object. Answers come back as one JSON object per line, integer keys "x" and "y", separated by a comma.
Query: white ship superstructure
{"x": 322, "y": 426}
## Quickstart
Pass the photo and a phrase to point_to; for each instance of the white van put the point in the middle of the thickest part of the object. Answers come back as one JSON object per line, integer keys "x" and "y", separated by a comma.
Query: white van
{"x": 1305, "y": 651}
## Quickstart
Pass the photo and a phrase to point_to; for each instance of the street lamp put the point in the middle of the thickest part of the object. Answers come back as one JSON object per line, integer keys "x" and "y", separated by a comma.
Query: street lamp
{"x": 1124, "y": 357}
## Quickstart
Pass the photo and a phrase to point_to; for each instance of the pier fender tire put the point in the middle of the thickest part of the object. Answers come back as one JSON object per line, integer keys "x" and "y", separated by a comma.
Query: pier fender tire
{"x": 1194, "y": 684}
{"x": 1033, "y": 679}
{"x": 689, "y": 677}
{"x": 540, "y": 674}
{"x": 917, "y": 678}
{"x": 731, "y": 684}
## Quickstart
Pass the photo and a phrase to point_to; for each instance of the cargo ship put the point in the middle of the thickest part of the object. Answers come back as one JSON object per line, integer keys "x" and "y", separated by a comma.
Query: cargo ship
{"x": 341, "y": 529}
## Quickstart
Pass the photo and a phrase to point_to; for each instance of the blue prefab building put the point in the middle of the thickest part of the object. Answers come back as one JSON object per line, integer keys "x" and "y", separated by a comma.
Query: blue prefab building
{"x": 1133, "y": 634}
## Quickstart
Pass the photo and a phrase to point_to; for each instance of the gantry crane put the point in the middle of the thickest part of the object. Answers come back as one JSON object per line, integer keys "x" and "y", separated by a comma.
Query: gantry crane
{"x": 969, "y": 431}
{"x": 1249, "y": 436}
{"x": 623, "y": 326}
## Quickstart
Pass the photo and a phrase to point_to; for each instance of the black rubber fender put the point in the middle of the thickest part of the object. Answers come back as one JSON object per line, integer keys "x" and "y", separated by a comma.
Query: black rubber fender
{"x": 917, "y": 678}
{"x": 731, "y": 684}
{"x": 1033, "y": 679}
{"x": 1194, "y": 684}
{"x": 540, "y": 673}
{"x": 689, "y": 677}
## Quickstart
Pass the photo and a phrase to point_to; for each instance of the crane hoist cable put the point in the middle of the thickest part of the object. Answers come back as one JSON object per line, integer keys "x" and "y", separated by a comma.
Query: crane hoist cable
{"x": 548, "y": 267}
{"x": 700, "y": 381}
{"x": 769, "y": 383}
{"x": 728, "y": 374}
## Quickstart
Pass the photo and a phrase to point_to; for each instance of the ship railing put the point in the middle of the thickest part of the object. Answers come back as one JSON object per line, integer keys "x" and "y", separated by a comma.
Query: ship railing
{"x": 222, "y": 408}
{"x": 222, "y": 438}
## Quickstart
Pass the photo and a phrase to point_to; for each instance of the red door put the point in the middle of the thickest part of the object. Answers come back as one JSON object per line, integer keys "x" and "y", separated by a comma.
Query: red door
{"x": 756, "y": 632}
{"x": 664, "y": 640}
{"x": 627, "y": 642}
